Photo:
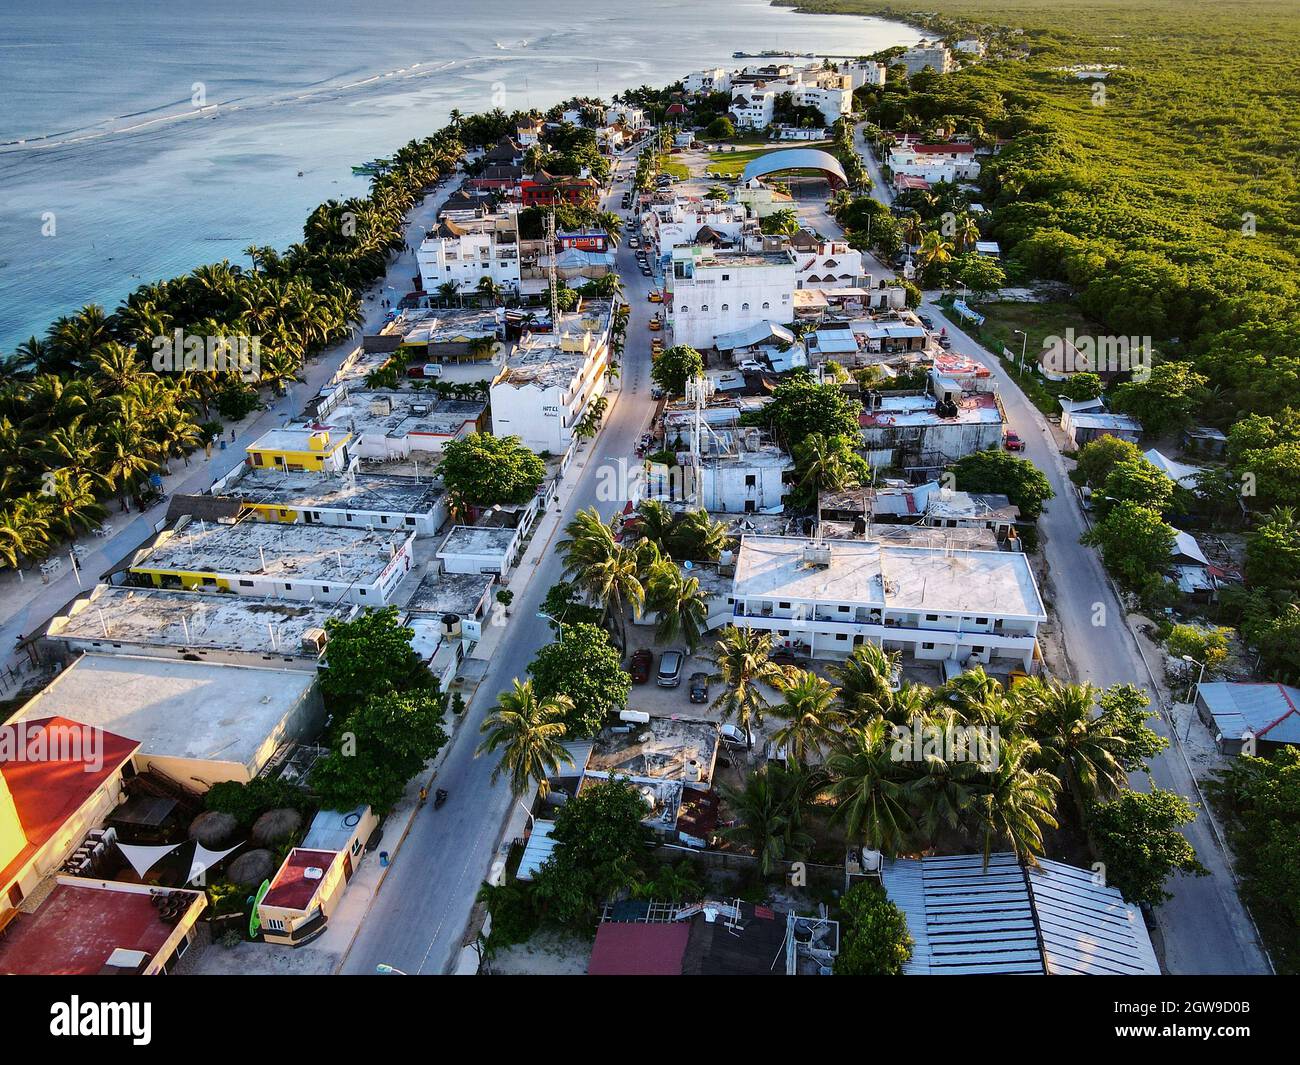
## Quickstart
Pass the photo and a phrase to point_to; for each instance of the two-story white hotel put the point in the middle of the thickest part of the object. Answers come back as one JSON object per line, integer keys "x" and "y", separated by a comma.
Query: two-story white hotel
{"x": 549, "y": 380}
{"x": 827, "y": 597}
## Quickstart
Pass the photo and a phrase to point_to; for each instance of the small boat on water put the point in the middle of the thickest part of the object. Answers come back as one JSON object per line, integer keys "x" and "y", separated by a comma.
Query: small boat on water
{"x": 375, "y": 166}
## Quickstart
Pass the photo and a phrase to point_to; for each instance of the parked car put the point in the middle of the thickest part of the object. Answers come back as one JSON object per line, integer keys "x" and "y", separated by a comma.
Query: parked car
{"x": 641, "y": 663}
{"x": 699, "y": 687}
{"x": 632, "y": 242}
{"x": 926, "y": 321}
{"x": 945, "y": 342}
{"x": 647, "y": 272}
{"x": 670, "y": 669}
{"x": 655, "y": 324}
{"x": 655, "y": 296}
{"x": 1012, "y": 442}
{"x": 732, "y": 735}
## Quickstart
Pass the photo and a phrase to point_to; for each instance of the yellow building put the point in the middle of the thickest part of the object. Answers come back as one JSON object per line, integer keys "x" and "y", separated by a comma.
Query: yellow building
{"x": 301, "y": 449}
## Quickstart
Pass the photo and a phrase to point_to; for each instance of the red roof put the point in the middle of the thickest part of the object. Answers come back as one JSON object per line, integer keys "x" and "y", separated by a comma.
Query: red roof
{"x": 676, "y": 109}
{"x": 636, "y": 949}
{"x": 292, "y": 889}
{"x": 52, "y": 766}
{"x": 77, "y": 928}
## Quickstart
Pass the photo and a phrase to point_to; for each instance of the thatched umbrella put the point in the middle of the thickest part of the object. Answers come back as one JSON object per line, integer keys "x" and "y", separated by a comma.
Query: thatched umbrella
{"x": 275, "y": 826}
{"x": 251, "y": 868}
{"x": 215, "y": 829}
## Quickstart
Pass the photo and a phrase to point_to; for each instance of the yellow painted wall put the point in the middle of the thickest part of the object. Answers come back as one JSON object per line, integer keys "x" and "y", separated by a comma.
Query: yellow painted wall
{"x": 12, "y": 837}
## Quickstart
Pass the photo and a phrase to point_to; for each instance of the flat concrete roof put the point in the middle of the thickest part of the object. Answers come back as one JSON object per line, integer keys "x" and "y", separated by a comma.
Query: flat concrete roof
{"x": 449, "y": 593}
{"x": 176, "y": 709}
{"x": 173, "y": 618}
{"x": 478, "y": 540}
{"x": 662, "y": 750}
{"x": 400, "y": 414}
{"x": 307, "y": 490}
{"x": 274, "y": 549}
{"x": 997, "y": 583}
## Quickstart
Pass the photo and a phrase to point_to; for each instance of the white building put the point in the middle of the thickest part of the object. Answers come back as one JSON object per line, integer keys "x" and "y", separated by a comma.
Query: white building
{"x": 935, "y": 56}
{"x": 549, "y": 381}
{"x": 827, "y": 597}
{"x": 633, "y": 118}
{"x": 705, "y": 81}
{"x": 480, "y": 549}
{"x": 827, "y": 264}
{"x": 672, "y": 225}
{"x": 168, "y": 623}
{"x": 970, "y": 46}
{"x": 719, "y": 292}
{"x": 750, "y": 480}
{"x": 324, "y": 563}
{"x": 935, "y": 162}
{"x": 865, "y": 72}
{"x": 924, "y": 431}
{"x": 467, "y": 251}
{"x": 754, "y": 96}
{"x": 199, "y": 722}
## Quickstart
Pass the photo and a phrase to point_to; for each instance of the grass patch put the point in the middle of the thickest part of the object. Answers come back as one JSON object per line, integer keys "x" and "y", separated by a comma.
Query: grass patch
{"x": 730, "y": 164}
{"x": 673, "y": 167}
{"x": 1038, "y": 321}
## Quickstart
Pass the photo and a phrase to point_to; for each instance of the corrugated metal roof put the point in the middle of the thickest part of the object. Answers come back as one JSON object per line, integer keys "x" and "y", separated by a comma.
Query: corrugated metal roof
{"x": 538, "y": 849}
{"x": 965, "y": 919}
{"x": 1267, "y": 711}
{"x": 794, "y": 159}
{"x": 1087, "y": 928}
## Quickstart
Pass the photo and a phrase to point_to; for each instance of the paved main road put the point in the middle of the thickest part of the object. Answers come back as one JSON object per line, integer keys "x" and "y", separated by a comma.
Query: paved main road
{"x": 417, "y": 920}
{"x": 1205, "y": 927}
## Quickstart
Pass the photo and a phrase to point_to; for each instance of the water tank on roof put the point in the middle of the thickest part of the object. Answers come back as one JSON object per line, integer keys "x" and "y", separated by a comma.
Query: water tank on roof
{"x": 450, "y": 626}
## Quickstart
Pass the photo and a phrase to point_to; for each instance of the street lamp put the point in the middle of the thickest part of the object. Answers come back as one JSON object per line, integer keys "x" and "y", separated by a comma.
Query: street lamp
{"x": 389, "y": 970}
{"x": 559, "y": 624}
{"x": 1190, "y": 697}
{"x": 1023, "y": 346}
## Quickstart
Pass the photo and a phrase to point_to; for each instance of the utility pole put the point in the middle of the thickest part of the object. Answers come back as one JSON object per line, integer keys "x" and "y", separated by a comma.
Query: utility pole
{"x": 552, "y": 274}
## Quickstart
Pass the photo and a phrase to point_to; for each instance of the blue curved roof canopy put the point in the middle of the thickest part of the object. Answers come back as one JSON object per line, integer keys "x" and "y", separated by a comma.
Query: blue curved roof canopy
{"x": 797, "y": 159}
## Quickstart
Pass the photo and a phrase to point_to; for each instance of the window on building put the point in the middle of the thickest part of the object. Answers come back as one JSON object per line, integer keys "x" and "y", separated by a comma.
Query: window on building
{"x": 981, "y": 621}
{"x": 783, "y": 606}
{"x": 245, "y": 584}
{"x": 931, "y": 617}
{"x": 744, "y": 306}
{"x": 725, "y": 307}
{"x": 684, "y": 310}
{"x": 927, "y": 647}
{"x": 704, "y": 306}
{"x": 766, "y": 305}
{"x": 288, "y": 587}
{"x": 751, "y": 480}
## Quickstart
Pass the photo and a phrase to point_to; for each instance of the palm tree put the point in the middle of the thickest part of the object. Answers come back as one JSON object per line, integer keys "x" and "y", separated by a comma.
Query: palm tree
{"x": 1074, "y": 741}
{"x": 530, "y": 733}
{"x": 865, "y": 681}
{"x": 934, "y": 251}
{"x": 869, "y": 789}
{"x": 822, "y": 465}
{"x": 769, "y": 811}
{"x": 783, "y": 222}
{"x": 967, "y": 233}
{"x": 73, "y": 506}
{"x": 811, "y": 716}
{"x": 24, "y": 530}
{"x": 489, "y": 290}
{"x": 681, "y": 607}
{"x": 741, "y": 663}
{"x": 1013, "y": 803}
{"x": 448, "y": 291}
{"x": 607, "y": 571}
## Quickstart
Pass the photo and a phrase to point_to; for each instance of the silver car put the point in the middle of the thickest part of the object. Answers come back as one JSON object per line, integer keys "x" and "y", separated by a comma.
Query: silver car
{"x": 670, "y": 669}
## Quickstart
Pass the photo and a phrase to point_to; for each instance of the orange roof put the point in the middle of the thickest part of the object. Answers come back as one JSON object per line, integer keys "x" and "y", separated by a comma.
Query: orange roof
{"x": 52, "y": 766}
